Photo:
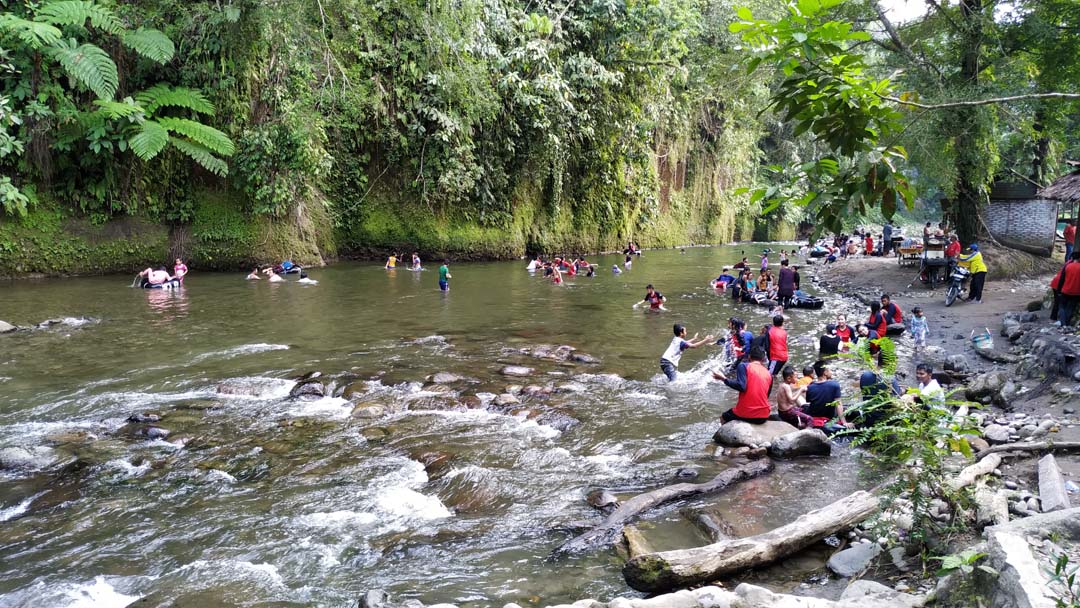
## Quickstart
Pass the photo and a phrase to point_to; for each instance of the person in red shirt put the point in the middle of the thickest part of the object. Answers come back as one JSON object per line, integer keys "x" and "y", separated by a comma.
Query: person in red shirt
{"x": 1070, "y": 239}
{"x": 877, "y": 321}
{"x": 953, "y": 248}
{"x": 891, "y": 309}
{"x": 843, "y": 329}
{"x": 869, "y": 244}
{"x": 753, "y": 382}
{"x": 778, "y": 351}
{"x": 1066, "y": 286}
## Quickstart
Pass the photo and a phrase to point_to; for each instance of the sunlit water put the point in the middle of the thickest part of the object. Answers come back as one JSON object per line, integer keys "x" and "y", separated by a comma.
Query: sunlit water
{"x": 258, "y": 497}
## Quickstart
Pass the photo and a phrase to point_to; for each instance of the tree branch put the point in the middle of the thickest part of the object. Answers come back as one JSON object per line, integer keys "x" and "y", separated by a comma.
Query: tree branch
{"x": 941, "y": 11}
{"x": 896, "y": 40}
{"x": 980, "y": 102}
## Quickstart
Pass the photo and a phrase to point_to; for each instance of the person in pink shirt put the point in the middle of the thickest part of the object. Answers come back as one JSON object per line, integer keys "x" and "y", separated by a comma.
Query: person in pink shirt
{"x": 179, "y": 270}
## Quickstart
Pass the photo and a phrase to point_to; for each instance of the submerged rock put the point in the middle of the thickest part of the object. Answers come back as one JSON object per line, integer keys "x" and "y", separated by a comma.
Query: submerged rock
{"x": 309, "y": 389}
{"x": 368, "y": 410}
{"x": 807, "y": 442}
{"x": 739, "y": 433}
{"x": 518, "y": 371}
{"x": 6, "y": 327}
{"x": 444, "y": 378}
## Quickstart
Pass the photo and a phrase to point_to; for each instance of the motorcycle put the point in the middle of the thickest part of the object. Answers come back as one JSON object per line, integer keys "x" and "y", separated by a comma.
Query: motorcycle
{"x": 957, "y": 278}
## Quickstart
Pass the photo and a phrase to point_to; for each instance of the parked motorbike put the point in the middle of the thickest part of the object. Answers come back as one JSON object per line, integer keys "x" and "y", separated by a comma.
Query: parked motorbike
{"x": 957, "y": 283}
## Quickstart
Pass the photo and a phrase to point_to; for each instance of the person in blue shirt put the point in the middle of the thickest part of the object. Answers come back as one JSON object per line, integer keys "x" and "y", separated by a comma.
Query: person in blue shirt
{"x": 721, "y": 282}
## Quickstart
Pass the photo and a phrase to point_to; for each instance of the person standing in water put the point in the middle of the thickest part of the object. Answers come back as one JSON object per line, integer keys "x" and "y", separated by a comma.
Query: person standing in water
{"x": 753, "y": 381}
{"x": 416, "y": 261}
{"x": 669, "y": 361}
{"x": 391, "y": 262}
{"x": 179, "y": 270}
{"x": 444, "y": 276}
{"x": 653, "y": 298}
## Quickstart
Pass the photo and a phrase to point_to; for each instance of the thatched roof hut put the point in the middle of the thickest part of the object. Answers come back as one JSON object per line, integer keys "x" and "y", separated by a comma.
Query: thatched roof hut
{"x": 1065, "y": 188}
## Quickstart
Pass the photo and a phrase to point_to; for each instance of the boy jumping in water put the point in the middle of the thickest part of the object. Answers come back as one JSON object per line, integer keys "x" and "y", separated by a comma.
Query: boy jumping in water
{"x": 669, "y": 361}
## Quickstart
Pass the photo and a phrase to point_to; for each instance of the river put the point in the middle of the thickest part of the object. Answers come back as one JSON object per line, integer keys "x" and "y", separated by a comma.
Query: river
{"x": 256, "y": 497}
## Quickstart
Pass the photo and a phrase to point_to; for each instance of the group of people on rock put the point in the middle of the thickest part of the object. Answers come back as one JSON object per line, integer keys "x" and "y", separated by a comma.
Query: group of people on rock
{"x": 744, "y": 287}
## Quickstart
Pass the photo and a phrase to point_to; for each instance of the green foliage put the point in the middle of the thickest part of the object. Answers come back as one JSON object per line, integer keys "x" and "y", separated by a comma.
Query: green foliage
{"x": 89, "y": 65}
{"x": 78, "y": 12}
{"x": 1066, "y": 577}
{"x": 964, "y": 562}
{"x": 828, "y": 91}
{"x": 149, "y": 43}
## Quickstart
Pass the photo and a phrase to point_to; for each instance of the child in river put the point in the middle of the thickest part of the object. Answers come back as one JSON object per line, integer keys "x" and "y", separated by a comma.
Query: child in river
{"x": 790, "y": 399}
{"x": 669, "y": 361}
{"x": 653, "y": 298}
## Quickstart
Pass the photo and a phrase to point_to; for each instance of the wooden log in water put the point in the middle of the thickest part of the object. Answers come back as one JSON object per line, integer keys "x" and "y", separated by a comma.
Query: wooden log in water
{"x": 1039, "y": 446}
{"x": 667, "y": 570}
{"x": 608, "y": 531}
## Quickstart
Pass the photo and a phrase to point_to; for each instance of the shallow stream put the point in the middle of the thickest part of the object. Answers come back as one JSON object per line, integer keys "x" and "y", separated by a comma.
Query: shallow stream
{"x": 255, "y": 497}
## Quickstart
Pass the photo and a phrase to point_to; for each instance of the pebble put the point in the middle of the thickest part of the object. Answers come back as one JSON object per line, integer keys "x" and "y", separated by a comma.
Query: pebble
{"x": 902, "y": 587}
{"x": 1011, "y": 485}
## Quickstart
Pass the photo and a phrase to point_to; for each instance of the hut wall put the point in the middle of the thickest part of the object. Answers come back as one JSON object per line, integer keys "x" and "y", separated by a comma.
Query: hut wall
{"x": 1030, "y": 223}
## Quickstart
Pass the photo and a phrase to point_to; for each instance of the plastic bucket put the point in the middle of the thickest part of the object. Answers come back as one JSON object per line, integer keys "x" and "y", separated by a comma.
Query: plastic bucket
{"x": 983, "y": 340}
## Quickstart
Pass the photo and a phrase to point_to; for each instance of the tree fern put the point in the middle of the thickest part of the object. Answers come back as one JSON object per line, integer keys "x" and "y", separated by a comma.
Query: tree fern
{"x": 119, "y": 109}
{"x": 88, "y": 65}
{"x": 150, "y": 140}
{"x": 201, "y": 154}
{"x": 162, "y": 95}
{"x": 32, "y": 33}
{"x": 76, "y": 12}
{"x": 209, "y": 137}
{"x": 149, "y": 43}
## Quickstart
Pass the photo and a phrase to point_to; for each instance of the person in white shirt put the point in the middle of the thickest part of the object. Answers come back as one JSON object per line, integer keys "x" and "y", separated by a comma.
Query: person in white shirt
{"x": 669, "y": 361}
{"x": 930, "y": 392}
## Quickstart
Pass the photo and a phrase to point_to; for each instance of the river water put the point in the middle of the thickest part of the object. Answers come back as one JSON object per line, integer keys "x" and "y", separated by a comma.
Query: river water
{"x": 255, "y": 497}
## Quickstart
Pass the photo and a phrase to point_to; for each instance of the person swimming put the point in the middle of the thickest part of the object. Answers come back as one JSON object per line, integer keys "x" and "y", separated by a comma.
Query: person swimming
{"x": 306, "y": 280}
{"x": 254, "y": 275}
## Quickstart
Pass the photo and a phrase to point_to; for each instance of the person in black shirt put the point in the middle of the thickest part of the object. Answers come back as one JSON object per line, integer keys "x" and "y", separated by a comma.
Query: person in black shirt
{"x": 823, "y": 396}
{"x": 829, "y": 344}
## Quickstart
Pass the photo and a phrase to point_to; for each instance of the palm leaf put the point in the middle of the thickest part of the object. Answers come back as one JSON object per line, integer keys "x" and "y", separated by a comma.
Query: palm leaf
{"x": 88, "y": 65}
{"x": 33, "y": 34}
{"x": 76, "y": 12}
{"x": 149, "y": 43}
{"x": 202, "y": 155}
{"x": 150, "y": 140}
{"x": 216, "y": 141}
{"x": 119, "y": 109}
{"x": 162, "y": 95}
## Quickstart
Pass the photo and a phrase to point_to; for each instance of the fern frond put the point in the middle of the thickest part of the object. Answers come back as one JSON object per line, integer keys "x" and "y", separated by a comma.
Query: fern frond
{"x": 76, "y": 12}
{"x": 202, "y": 155}
{"x": 162, "y": 95}
{"x": 216, "y": 141}
{"x": 119, "y": 109}
{"x": 33, "y": 34}
{"x": 89, "y": 65}
{"x": 149, "y": 141}
{"x": 149, "y": 43}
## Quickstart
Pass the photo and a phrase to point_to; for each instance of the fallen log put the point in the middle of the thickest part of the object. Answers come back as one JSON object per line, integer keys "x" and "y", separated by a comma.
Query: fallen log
{"x": 969, "y": 474}
{"x": 1052, "y": 446}
{"x": 608, "y": 531}
{"x": 668, "y": 570}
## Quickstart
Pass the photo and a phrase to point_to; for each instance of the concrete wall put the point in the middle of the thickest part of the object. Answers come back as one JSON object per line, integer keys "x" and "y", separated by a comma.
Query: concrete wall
{"x": 1028, "y": 223}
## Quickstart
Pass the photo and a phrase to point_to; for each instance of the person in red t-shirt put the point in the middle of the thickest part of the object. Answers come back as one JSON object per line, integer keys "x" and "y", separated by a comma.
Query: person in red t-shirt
{"x": 778, "y": 351}
{"x": 753, "y": 382}
{"x": 953, "y": 248}
{"x": 1066, "y": 286}
{"x": 843, "y": 329}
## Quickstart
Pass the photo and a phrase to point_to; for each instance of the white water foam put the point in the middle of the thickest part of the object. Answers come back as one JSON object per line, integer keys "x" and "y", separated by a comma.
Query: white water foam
{"x": 97, "y": 594}
{"x": 237, "y": 351}
{"x": 219, "y": 475}
{"x": 406, "y": 503}
{"x": 127, "y": 469}
{"x": 336, "y": 520}
{"x": 9, "y": 513}
{"x": 334, "y": 408}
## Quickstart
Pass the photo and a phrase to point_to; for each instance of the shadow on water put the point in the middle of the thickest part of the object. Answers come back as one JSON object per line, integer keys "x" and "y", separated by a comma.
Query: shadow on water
{"x": 443, "y": 492}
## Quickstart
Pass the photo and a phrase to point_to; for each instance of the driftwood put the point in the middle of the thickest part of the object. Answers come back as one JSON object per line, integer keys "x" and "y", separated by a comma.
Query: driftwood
{"x": 1052, "y": 446}
{"x": 636, "y": 544}
{"x": 969, "y": 474}
{"x": 608, "y": 531}
{"x": 668, "y": 570}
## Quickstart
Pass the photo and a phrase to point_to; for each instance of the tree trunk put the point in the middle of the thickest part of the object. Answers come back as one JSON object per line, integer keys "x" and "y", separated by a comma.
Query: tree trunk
{"x": 657, "y": 572}
{"x": 609, "y": 530}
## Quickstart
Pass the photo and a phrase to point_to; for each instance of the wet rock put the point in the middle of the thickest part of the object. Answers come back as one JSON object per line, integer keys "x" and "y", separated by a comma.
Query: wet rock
{"x": 472, "y": 490}
{"x": 154, "y": 432}
{"x": 995, "y": 434}
{"x": 354, "y": 389}
{"x": 49, "y": 323}
{"x": 870, "y": 593}
{"x": 245, "y": 387}
{"x": 739, "y": 433}
{"x": 560, "y": 419}
{"x": 375, "y": 598}
{"x": 583, "y": 358}
{"x": 1068, "y": 410}
{"x": 535, "y": 390}
{"x": 686, "y": 473}
{"x": 517, "y": 371}
{"x": 28, "y": 459}
{"x": 436, "y": 463}
{"x": 602, "y": 499}
{"x": 308, "y": 389}
{"x": 978, "y": 444}
{"x": 853, "y": 560}
{"x": 807, "y": 442}
{"x": 571, "y": 387}
{"x": 444, "y": 378}
{"x": 472, "y": 402}
{"x": 375, "y": 433}
{"x": 746, "y": 452}
{"x": 368, "y": 410}
{"x": 506, "y": 399}
{"x": 6, "y": 327}
{"x": 957, "y": 363}
{"x": 144, "y": 417}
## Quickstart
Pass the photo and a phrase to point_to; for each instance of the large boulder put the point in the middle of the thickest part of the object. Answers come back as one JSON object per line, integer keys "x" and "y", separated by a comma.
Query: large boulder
{"x": 807, "y": 442}
{"x": 854, "y": 560}
{"x": 996, "y": 433}
{"x": 738, "y": 433}
{"x": 987, "y": 387}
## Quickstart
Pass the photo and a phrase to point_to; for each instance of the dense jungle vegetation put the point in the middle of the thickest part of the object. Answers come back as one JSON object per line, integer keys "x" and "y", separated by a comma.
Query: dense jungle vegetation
{"x": 248, "y": 130}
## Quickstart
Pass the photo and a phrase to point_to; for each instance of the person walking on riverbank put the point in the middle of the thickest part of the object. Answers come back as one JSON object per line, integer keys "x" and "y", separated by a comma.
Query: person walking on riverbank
{"x": 753, "y": 381}
{"x": 886, "y": 239}
{"x": 1067, "y": 287}
{"x": 920, "y": 328}
{"x": 977, "y": 267}
{"x": 444, "y": 276}
{"x": 1070, "y": 239}
{"x": 669, "y": 361}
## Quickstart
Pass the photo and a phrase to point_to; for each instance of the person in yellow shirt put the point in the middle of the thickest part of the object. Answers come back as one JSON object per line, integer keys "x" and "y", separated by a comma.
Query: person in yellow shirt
{"x": 977, "y": 266}
{"x": 391, "y": 262}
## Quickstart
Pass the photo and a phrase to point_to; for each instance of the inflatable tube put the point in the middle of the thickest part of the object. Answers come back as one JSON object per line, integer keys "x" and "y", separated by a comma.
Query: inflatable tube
{"x": 808, "y": 302}
{"x": 296, "y": 270}
{"x": 173, "y": 284}
{"x": 818, "y": 253}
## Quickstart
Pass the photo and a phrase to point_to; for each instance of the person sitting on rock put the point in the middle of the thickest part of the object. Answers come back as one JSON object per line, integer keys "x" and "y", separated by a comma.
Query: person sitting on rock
{"x": 790, "y": 398}
{"x": 823, "y": 396}
{"x": 753, "y": 382}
